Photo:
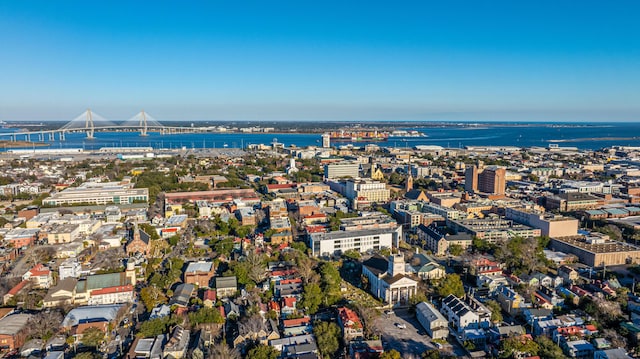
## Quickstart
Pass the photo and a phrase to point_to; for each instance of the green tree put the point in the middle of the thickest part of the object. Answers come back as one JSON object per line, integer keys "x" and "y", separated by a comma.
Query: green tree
{"x": 155, "y": 327}
{"x": 451, "y": 284}
{"x": 352, "y": 254}
{"x": 391, "y": 354}
{"x": 330, "y": 280}
{"x": 431, "y": 354}
{"x": 517, "y": 345}
{"x": 327, "y": 336}
{"x": 88, "y": 355}
{"x": 455, "y": 250}
{"x": 205, "y": 316}
{"x": 151, "y": 296}
{"x": 311, "y": 298}
{"x": 262, "y": 351}
{"x": 547, "y": 349}
{"x": 496, "y": 311}
{"x": 92, "y": 337}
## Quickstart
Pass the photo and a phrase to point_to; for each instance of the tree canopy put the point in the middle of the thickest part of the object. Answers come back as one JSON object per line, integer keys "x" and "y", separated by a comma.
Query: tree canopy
{"x": 451, "y": 284}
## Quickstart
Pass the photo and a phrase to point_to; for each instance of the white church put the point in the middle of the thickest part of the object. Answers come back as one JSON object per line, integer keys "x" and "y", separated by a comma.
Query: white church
{"x": 388, "y": 279}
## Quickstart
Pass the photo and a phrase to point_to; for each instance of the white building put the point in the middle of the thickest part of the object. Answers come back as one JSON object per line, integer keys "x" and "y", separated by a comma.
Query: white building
{"x": 99, "y": 193}
{"x": 342, "y": 169}
{"x": 337, "y": 242}
{"x": 369, "y": 190}
{"x": 432, "y": 321}
{"x": 388, "y": 280}
{"x": 70, "y": 268}
{"x": 466, "y": 313}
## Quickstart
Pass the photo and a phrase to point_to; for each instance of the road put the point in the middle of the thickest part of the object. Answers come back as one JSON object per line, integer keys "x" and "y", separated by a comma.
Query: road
{"x": 410, "y": 342}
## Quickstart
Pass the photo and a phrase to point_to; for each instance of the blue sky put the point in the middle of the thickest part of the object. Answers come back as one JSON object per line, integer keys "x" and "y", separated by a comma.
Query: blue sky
{"x": 321, "y": 60}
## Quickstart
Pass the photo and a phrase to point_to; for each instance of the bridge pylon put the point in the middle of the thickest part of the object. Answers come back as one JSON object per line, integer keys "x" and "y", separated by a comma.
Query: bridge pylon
{"x": 89, "y": 126}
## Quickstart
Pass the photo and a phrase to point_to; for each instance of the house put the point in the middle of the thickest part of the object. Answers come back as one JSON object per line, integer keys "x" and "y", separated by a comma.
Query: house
{"x": 69, "y": 268}
{"x": 177, "y": 344}
{"x": 510, "y": 301}
{"x": 14, "y": 291}
{"x": 301, "y": 346}
{"x": 199, "y": 273}
{"x": 139, "y": 243}
{"x": 427, "y": 268}
{"x": 40, "y": 276}
{"x": 13, "y": 331}
{"x": 365, "y": 349}
{"x": 388, "y": 280}
{"x": 255, "y": 330}
{"x": 294, "y": 327}
{"x": 350, "y": 324}
{"x": 209, "y": 298}
{"x": 432, "y": 321}
{"x": 288, "y": 305}
{"x": 579, "y": 349}
{"x": 226, "y": 286}
{"x": 466, "y": 313}
{"x": 439, "y": 243}
{"x": 568, "y": 274}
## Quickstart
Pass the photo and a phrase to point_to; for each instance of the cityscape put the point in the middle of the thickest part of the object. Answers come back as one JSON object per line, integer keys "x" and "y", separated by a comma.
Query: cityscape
{"x": 319, "y": 181}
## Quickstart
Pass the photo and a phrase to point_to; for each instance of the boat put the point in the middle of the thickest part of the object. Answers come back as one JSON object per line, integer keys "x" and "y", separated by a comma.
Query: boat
{"x": 358, "y": 136}
{"x": 403, "y": 133}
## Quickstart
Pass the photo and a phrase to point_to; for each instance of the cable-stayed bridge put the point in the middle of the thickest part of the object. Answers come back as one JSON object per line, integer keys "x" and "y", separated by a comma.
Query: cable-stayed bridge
{"x": 90, "y": 122}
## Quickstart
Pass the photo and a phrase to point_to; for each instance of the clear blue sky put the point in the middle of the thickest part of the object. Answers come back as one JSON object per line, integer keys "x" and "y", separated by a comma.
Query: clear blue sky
{"x": 321, "y": 60}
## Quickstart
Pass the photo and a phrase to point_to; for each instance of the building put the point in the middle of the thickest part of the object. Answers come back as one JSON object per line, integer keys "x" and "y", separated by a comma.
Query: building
{"x": 493, "y": 230}
{"x": 596, "y": 250}
{"x": 104, "y": 289}
{"x": 567, "y": 202}
{"x": 326, "y": 140}
{"x": 182, "y": 295}
{"x": 40, "y": 276}
{"x": 338, "y": 242}
{"x": 99, "y": 193}
{"x": 388, "y": 280}
{"x": 63, "y": 234}
{"x": 350, "y": 324}
{"x": 62, "y": 294}
{"x": 177, "y": 344}
{"x": 70, "y": 268}
{"x": 226, "y": 286}
{"x": 199, "y": 273}
{"x": 367, "y": 190}
{"x": 466, "y": 313}
{"x": 341, "y": 169}
{"x": 439, "y": 243}
{"x": 550, "y": 225}
{"x": 432, "y": 321}
{"x": 492, "y": 180}
{"x": 13, "y": 331}
{"x": 139, "y": 243}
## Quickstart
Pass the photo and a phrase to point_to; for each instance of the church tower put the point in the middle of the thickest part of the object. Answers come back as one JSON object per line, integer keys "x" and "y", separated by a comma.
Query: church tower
{"x": 408, "y": 185}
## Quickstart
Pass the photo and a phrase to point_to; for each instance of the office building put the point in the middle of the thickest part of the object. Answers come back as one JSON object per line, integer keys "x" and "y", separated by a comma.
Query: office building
{"x": 341, "y": 169}
{"x": 337, "y": 242}
{"x": 100, "y": 193}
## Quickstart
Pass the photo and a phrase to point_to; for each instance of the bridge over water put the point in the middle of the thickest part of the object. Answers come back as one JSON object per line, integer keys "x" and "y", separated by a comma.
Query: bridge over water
{"x": 90, "y": 123}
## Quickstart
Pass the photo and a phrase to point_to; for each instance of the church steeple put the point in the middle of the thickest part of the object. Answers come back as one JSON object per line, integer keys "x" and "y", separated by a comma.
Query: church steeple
{"x": 408, "y": 185}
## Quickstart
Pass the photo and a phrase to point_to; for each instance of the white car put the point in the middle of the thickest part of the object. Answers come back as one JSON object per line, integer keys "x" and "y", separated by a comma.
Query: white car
{"x": 401, "y": 326}
{"x": 388, "y": 312}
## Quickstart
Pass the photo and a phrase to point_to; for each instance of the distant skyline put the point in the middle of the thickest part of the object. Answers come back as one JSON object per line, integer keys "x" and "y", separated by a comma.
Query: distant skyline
{"x": 561, "y": 61}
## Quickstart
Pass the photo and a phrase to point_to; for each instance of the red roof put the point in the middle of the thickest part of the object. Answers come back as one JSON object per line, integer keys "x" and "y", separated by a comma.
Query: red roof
{"x": 347, "y": 315}
{"x": 280, "y": 186}
{"x": 17, "y": 288}
{"x": 316, "y": 215}
{"x": 287, "y": 323}
{"x": 316, "y": 229}
{"x": 39, "y": 270}
{"x": 273, "y": 305}
{"x": 291, "y": 281}
{"x": 290, "y": 302}
{"x": 109, "y": 290}
{"x": 209, "y": 294}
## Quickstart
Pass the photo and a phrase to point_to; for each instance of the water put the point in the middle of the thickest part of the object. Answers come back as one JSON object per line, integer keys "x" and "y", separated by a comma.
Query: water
{"x": 589, "y": 136}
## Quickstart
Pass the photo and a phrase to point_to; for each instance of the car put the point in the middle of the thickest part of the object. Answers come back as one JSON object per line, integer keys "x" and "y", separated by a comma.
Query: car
{"x": 388, "y": 312}
{"x": 438, "y": 345}
{"x": 401, "y": 326}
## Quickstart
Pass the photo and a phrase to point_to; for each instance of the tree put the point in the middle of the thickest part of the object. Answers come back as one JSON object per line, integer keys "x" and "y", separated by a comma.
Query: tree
{"x": 496, "y": 311}
{"x": 352, "y": 254}
{"x": 262, "y": 351}
{"x": 330, "y": 280}
{"x": 155, "y": 327}
{"x": 451, "y": 284}
{"x": 391, "y": 354}
{"x": 44, "y": 325}
{"x": 455, "y": 250}
{"x": 151, "y": 296}
{"x": 206, "y": 316}
{"x": 88, "y": 355}
{"x": 92, "y": 337}
{"x": 311, "y": 297}
{"x": 222, "y": 351}
{"x": 431, "y": 354}
{"x": 327, "y": 335}
{"x": 547, "y": 349}
{"x": 517, "y": 345}
{"x": 256, "y": 269}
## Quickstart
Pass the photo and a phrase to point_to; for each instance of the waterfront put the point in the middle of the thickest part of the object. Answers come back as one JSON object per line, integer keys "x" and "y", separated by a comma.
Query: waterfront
{"x": 588, "y": 136}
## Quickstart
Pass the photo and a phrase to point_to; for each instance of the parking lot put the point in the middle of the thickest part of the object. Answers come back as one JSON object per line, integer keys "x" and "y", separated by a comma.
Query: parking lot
{"x": 410, "y": 341}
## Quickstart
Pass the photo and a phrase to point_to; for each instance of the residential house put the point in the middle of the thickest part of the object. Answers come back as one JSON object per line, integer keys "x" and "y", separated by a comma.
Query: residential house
{"x": 510, "y": 301}
{"x": 427, "y": 268}
{"x": 466, "y": 313}
{"x": 182, "y": 295}
{"x": 226, "y": 286}
{"x": 40, "y": 276}
{"x": 178, "y": 344}
{"x": 568, "y": 274}
{"x": 253, "y": 331}
{"x": 579, "y": 349}
{"x": 209, "y": 298}
{"x": 350, "y": 324}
